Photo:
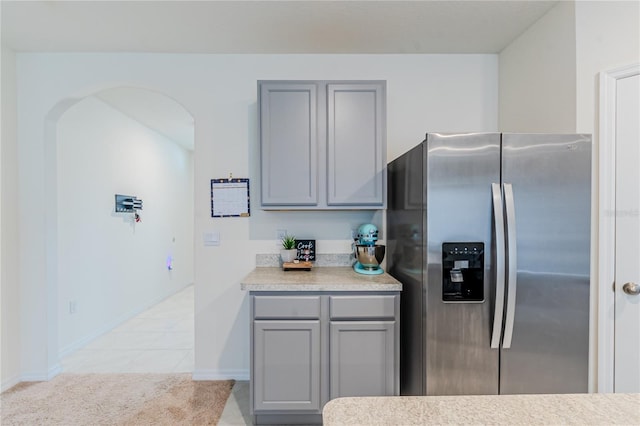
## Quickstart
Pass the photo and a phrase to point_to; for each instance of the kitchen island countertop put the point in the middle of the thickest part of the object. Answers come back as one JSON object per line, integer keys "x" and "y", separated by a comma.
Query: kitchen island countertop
{"x": 582, "y": 409}
{"x": 323, "y": 278}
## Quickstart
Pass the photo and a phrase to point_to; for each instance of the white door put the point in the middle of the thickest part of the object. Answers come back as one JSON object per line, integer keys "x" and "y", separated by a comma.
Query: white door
{"x": 627, "y": 236}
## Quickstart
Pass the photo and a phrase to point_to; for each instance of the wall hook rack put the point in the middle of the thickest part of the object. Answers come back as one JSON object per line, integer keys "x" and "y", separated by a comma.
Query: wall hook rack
{"x": 127, "y": 204}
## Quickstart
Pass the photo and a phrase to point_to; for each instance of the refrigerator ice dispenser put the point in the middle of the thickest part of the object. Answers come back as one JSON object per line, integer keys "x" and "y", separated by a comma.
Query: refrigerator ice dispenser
{"x": 462, "y": 272}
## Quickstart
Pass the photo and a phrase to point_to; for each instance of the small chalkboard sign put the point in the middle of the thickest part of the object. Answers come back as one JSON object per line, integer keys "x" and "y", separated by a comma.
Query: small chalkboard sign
{"x": 306, "y": 250}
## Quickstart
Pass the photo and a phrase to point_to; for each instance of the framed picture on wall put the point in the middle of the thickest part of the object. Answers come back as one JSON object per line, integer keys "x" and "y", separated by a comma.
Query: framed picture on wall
{"x": 230, "y": 197}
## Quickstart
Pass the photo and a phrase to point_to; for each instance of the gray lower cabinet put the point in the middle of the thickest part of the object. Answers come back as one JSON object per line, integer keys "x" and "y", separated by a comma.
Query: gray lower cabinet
{"x": 362, "y": 358}
{"x": 308, "y": 348}
{"x": 287, "y": 365}
{"x": 322, "y": 144}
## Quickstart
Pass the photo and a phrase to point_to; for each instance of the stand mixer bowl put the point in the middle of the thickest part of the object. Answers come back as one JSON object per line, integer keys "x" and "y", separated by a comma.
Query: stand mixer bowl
{"x": 369, "y": 257}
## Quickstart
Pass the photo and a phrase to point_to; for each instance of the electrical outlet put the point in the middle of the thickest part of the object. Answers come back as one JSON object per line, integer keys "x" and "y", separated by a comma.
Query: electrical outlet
{"x": 281, "y": 233}
{"x": 73, "y": 307}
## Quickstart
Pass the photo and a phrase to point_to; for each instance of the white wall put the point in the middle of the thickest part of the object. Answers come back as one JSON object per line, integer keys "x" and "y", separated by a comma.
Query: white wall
{"x": 9, "y": 277}
{"x": 548, "y": 75}
{"x": 111, "y": 267}
{"x": 425, "y": 93}
{"x": 537, "y": 76}
{"x": 608, "y": 37}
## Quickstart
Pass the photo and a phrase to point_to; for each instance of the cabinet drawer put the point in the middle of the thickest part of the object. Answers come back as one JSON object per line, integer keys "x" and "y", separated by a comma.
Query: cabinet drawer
{"x": 285, "y": 307}
{"x": 361, "y": 307}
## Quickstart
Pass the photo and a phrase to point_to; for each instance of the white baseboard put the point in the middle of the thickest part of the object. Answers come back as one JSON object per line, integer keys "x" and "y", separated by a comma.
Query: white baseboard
{"x": 41, "y": 376}
{"x": 238, "y": 375}
{"x": 220, "y": 375}
{"x": 54, "y": 371}
{"x": 8, "y": 384}
{"x": 32, "y": 377}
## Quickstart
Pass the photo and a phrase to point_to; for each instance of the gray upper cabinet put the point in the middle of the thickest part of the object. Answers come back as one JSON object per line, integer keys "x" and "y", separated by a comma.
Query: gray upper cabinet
{"x": 289, "y": 144}
{"x": 355, "y": 145}
{"x": 323, "y": 144}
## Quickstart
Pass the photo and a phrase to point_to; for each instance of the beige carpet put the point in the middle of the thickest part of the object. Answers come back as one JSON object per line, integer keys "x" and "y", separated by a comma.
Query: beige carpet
{"x": 115, "y": 399}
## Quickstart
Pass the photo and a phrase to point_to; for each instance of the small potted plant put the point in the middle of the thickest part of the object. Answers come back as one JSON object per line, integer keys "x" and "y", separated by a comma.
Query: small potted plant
{"x": 288, "y": 252}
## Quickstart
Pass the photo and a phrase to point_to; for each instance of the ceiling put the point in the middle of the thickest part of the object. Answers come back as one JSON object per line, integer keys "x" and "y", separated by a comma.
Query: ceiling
{"x": 260, "y": 27}
{"x": 267, "y": 26}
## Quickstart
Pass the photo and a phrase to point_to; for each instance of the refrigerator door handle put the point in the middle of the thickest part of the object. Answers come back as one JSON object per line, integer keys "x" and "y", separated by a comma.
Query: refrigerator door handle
{"x": 498, "y": 223}
{"x": 512, "y": 267}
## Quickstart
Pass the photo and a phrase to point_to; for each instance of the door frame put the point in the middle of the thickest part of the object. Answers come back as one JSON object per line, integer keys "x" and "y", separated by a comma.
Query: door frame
{"x": 607, "y": 223}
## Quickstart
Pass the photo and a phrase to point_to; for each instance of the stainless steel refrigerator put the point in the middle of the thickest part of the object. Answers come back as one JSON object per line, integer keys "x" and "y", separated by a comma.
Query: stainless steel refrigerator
{"x": 490, "y": 235}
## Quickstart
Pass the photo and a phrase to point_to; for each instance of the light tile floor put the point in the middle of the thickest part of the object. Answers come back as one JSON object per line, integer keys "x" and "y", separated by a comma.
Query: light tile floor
{"x": 236, "y": 411}
{"x": 159, "y": 340}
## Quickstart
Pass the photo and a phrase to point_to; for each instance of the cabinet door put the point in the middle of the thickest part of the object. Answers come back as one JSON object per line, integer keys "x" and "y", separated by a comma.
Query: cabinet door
{"x": 286, "y": 365}
{"x": 356, "y": 159}
{"x": 289, "y": 144}
{"x": 362, "y": 358}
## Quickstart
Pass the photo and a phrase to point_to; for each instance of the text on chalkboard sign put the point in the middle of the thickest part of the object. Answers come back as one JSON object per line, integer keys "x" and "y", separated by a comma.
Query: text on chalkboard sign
{"x": 306, "y": 250}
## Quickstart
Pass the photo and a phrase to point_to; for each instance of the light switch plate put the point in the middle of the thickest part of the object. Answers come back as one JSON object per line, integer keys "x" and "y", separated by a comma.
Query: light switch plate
{"x": 211, "y": 238}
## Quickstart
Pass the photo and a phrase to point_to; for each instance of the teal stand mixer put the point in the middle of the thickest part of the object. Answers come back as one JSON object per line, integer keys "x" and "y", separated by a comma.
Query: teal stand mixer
{"x": 368, "y": 254}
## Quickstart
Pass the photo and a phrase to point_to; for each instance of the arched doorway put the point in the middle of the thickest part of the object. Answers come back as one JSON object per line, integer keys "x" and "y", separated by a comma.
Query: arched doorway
{"x": 104, "y": 267}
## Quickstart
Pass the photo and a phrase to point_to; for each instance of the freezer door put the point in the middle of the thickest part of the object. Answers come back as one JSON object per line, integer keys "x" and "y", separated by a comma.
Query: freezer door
{"x": 550, "y": 177}
{"x": 460, "y": 171}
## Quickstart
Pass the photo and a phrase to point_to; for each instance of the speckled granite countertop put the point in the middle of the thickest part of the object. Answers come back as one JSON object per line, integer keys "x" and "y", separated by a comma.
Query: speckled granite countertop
{"x": 582, "y": 409}
{"x": 341, "y": 278}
